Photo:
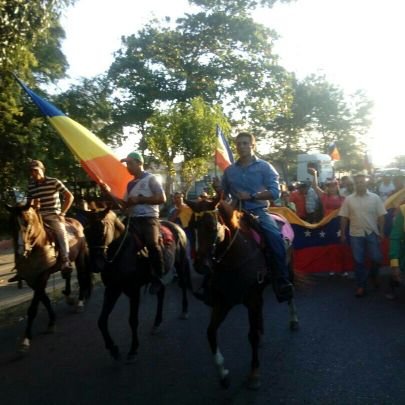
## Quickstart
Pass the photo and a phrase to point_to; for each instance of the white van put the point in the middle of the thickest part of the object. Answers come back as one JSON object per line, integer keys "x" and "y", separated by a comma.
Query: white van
{"x": 320, "y": 161}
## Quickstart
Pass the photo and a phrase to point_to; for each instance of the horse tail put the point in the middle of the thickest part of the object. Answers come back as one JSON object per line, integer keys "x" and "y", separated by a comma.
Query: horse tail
{"x": 298, "y": 278}
{"x": 182, "y": 261}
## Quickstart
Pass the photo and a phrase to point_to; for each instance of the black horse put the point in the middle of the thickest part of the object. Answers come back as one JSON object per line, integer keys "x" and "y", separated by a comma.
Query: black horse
{"x": 36, "y": 258}
{"x": 125, "y": 268}
{"x": 235, "y": 265}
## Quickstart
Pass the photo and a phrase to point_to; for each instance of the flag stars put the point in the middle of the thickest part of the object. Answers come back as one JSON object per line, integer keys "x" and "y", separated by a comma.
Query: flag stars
{"x": 307, "y": 233}
{"x": 338, "y": 233}
{"x": 322, "y": 234}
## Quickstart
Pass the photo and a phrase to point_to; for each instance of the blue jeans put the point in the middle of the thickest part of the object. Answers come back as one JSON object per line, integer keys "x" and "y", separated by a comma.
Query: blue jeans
{"x": 362, "y": 245}
{"x": 274, "y": 241}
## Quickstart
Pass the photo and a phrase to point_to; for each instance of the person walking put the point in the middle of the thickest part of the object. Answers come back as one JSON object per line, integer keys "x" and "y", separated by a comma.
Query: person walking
{"x": 254, "y": 182}
{"x": 365, "y": 211}
{"x": 142, "y": 198}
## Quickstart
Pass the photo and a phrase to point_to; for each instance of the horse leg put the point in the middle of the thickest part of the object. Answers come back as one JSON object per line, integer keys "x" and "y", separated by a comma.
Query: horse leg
{"x": 184, "y": 282}
{"x": 31, "y": 314}
{"x": 218, "y": 315}
{"x": 159, "y": 310}
{"x": 68, "y": 290}
{"x": 184, "y": 302}
{"x": 255, "y": 311}
{"x": 44, "y": 298}
{"x": 294, "y": 324}
{"x": 111, "y": 296}
{"x": 83, "y": 277}
{"x": 133, "y": 323}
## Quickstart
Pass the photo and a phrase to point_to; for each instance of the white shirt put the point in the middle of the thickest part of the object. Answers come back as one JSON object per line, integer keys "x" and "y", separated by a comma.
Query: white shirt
{"x": 363, "y": 212}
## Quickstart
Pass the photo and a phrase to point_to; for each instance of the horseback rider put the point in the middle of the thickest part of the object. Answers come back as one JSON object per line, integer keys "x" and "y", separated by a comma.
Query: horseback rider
{"x": 142, "y": 198}
{"x": 253, "y": 182}
{"x": 48, "y": 191}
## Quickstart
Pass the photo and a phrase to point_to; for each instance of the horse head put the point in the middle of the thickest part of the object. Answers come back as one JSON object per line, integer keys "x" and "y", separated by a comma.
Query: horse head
{"x": 27, "y": 227}
{"x": 103, "y": 226}
{"x": 208, "y": 230}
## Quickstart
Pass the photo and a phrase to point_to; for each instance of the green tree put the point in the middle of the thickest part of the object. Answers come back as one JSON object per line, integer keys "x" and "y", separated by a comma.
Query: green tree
{"x": 185, "y": 130}
{"x": 30, "y": 40}
{"x": 318, "y": 113}
{"x": 220, "y": 54}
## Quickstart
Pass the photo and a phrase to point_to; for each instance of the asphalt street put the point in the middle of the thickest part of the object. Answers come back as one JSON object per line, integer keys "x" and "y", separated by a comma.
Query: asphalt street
{"x": 347, "y": 351}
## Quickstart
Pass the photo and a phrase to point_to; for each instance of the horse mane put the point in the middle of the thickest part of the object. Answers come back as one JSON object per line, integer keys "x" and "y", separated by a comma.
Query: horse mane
{"x": 232, "y": 217}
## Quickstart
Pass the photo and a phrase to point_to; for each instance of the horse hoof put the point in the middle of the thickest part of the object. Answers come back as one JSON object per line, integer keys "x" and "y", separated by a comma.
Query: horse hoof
{"x": 225, "y": 382}
{"x": 80, "y": 308}
{"x": 294, "y": 325}
{"x": 24, "y": 347}
{"x": 69, "y": 300}
{"x": 115, "y": 353}
{"x": 131, "y": 357}
{"x": 155, "y": 329}
{"x": 184, "y": 315}
{"x": 254, "y": 383}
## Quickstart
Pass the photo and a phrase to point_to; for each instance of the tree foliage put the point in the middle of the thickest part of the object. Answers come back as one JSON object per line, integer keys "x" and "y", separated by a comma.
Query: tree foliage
{"x": 186, "y": 130}
{"x": 318, "y": 114}
{"x": 30, "y": 41}
{"x": 220, "y": 54}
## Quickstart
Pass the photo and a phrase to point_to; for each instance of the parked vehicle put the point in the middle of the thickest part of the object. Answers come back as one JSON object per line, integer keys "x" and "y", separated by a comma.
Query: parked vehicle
{"x": 319, "y": 161}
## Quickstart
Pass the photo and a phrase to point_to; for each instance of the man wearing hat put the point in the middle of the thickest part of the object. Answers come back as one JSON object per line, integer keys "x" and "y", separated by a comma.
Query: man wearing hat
{"x": 48, "y": 191}
{"x": 365, "y": 211}
{"x": 142, "y": 199}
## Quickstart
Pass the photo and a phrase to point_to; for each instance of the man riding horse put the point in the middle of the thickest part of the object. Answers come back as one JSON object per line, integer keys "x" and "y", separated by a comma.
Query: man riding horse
{"x": 253, "y": 182}
{"x": 142, "y": 198}
{"x": 46, "y": 192}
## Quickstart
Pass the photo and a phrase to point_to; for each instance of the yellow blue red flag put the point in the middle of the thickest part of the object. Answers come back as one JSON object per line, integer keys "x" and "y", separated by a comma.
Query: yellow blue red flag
{"x": 96, "y": 158}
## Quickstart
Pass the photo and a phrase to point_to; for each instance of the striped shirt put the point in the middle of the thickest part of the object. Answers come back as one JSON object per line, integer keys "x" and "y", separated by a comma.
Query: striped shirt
{"x": 48, "y": 193}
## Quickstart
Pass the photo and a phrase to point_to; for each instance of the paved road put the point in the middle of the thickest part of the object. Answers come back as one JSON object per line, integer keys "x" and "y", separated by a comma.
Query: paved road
{"x": 348, "y": 351}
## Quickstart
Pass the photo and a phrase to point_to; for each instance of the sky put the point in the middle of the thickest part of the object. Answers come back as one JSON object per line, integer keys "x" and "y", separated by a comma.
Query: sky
{"x": 356, "y": 44}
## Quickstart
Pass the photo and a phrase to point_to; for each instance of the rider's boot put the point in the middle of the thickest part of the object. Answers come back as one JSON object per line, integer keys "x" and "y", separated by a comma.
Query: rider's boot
{"x": 282, "y": 286}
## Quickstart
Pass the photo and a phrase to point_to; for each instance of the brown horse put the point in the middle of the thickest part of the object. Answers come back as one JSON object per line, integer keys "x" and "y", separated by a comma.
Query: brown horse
{"x": 37, "y": 257}
{"x": 229, "y": 254}
{"x": 118, "y": 256}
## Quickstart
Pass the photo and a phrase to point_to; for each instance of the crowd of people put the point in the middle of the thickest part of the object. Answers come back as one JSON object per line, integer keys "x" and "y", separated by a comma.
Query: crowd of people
{"x": 312, "y": 201}
{"x": 255, "y": 184}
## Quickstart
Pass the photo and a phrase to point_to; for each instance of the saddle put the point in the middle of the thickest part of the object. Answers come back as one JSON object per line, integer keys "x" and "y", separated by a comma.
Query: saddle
{"x": 166, "y": 238}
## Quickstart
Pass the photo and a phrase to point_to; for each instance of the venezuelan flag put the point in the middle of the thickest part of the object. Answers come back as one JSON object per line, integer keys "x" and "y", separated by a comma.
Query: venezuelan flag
{"x": 223, "y": 153}
{"x": 317, "y": 247}
{"x": 96, "y": 157}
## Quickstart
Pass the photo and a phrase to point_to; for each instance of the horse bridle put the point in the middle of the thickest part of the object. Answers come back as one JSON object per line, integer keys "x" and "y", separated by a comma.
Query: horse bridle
{"x": 214, "y": 214}
{"x": 26, "y": 234}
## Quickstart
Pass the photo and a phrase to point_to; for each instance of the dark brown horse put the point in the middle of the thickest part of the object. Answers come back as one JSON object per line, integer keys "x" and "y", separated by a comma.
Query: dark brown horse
{"x": 229, "y": 253}
{"x": 124, "y": 268}
{"x": 37, "y": 257}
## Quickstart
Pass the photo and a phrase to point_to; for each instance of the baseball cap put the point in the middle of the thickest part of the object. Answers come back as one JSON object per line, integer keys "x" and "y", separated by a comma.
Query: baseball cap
{"x": 37, "y": 164}
{"x": 133, "y": 156}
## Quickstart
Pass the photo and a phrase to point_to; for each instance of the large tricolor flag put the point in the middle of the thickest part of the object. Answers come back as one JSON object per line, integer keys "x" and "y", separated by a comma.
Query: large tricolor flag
{"x": 96, "y": 158}
{"x": 223, "y": 153}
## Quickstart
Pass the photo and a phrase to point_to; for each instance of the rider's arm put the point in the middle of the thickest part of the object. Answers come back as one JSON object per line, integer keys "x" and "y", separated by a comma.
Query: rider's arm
{"x": 68, "y": 199}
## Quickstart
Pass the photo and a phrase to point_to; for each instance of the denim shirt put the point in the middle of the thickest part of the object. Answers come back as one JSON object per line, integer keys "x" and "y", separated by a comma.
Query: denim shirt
{"x": 256, "y": 177}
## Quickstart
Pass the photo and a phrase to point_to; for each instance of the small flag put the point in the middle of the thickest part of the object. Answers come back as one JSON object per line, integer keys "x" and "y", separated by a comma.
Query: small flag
{"x": 367, "y": 163}
{"x": 96, "y": 158}
{"x": 334, "y": 152}
{"x": 223, "y": 153}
